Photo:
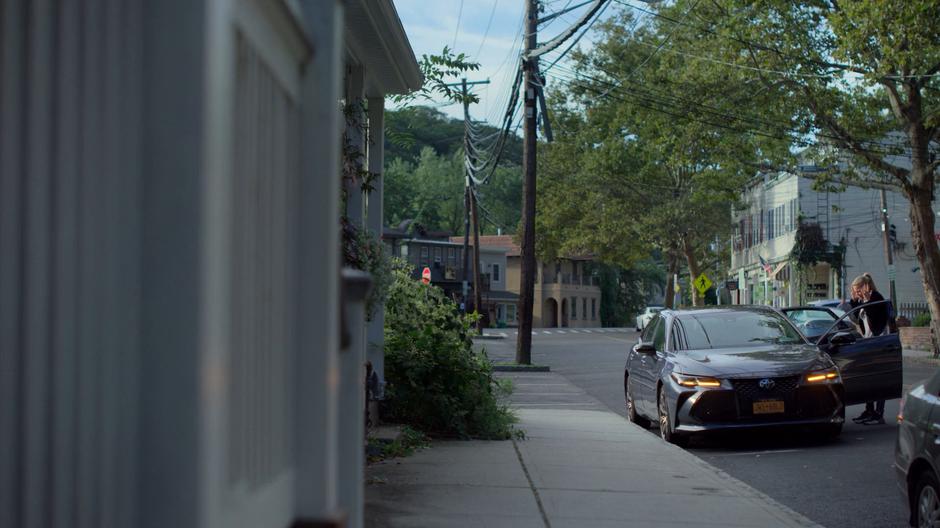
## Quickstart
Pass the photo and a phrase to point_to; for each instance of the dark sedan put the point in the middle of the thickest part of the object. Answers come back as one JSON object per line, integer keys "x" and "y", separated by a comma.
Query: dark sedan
{"x": 748, "y": 366}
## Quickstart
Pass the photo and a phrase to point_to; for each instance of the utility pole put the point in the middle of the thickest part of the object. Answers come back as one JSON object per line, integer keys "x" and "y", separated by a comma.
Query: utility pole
{"x": 477, "y": 293}
{"x": 466, "y": 237}
{"x": 527, "y": 293}
{"x": 889, "y": 253}
{"x": 469, "y": 203}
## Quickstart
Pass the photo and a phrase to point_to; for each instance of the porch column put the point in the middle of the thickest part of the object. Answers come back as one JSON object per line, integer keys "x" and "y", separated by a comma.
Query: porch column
{"x": 374, "y": 221}
{"x": 355, "y": 143}
{"x": 316, "y": 421}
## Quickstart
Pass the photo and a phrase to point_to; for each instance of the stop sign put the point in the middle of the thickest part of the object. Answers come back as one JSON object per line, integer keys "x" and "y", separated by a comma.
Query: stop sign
{"x": 426, "y": 276}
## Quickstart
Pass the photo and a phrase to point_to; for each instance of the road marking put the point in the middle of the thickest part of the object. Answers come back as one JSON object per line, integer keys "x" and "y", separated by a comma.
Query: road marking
{"x": 758, "y": 453}
{"x": 504, "y": 334}
{"x": 560, "y": 331}
{"x": 553, "y": 405}
{"x": 546, "y": 333}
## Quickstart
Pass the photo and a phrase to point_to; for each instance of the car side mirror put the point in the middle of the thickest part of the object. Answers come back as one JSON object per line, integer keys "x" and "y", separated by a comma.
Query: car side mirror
{"x": 644, "y": 347}
{"x": 842, "y": 338}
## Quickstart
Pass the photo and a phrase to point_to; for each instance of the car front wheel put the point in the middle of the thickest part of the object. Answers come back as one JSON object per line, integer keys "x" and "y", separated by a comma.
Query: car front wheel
{"x": 927, "y": 507}
{"x": 632, "y": 415}
{"x": 665, "y": 422}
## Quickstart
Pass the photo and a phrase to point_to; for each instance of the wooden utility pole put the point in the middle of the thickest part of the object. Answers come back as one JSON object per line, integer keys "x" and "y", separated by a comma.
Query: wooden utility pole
{"x": 477, "y": 293}
{"x": 889, "y": 254}
{"x": 470, "y": 205}
{"x": 527, "y": 293}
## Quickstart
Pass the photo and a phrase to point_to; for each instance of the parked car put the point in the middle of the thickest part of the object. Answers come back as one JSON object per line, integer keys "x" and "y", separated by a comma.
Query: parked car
{"x": 814, "y": 321}
{"x": 917, "y": 452}
{"x": 693, "y": 371}
{"x": 644, "y": 317}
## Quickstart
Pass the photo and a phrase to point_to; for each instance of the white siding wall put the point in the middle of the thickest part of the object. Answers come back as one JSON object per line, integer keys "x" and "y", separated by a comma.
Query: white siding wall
{"x": 70, "y": 100}
{"x": 855, "y": 215}
{"x": 153, "y": 319}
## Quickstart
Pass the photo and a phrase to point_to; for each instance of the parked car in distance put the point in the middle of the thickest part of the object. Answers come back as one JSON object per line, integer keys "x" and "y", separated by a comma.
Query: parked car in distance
{"x": 736, "y": 367}
{"x": 832, "y": 304}
{"x": 813, "y": 321}
{"x": 644, "y": 317}
{"x": 917, "y": 453}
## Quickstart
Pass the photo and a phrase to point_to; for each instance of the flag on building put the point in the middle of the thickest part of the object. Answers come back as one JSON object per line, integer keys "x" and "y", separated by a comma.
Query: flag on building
{"x": 763, "y": 263}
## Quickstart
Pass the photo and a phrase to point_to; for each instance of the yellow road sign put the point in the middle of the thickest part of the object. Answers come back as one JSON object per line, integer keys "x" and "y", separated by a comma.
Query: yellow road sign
{"x": 703, "y": 283}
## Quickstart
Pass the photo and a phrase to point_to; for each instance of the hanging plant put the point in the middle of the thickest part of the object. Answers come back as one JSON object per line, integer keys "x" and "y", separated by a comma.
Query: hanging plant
{"x": 810, "y": 247}
{"x": 364, "y": 251}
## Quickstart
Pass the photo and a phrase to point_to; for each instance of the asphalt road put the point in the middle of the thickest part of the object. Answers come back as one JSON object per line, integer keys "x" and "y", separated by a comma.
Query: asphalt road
{"x": 846, "y": 483}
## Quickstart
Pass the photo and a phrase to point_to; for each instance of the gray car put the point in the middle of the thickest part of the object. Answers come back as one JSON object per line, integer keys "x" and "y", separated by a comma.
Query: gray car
{"x": 917, "y": 452}
{"x": 694, "y": 371}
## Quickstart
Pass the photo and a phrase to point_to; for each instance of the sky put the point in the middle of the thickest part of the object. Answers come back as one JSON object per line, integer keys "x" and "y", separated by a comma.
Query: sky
{"x": 488, "y": 31}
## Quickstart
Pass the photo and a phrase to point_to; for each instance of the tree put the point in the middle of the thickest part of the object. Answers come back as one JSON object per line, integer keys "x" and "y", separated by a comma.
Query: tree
{"x": 429, "y": 192}
{"x": 641, "y": 168}
{"x": 859, "y": 75}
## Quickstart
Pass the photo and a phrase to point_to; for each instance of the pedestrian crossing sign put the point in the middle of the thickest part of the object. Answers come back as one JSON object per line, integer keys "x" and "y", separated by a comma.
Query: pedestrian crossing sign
{"x": 703, "y": 283}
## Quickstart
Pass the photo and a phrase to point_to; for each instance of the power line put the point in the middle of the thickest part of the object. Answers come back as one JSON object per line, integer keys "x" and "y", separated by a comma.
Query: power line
{"x": 488, "y": 24}
{"x": 457, "y": 29}
{"x": 763, "y": 47}
{"x": 874, "y": 146}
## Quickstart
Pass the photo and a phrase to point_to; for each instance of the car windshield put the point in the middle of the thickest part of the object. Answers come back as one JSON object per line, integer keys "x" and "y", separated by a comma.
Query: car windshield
{"x": 736, "y": 329}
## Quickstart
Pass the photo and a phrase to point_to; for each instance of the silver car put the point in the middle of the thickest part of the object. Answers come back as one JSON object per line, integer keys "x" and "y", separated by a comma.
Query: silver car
{"x": 643, "y": 318}
{"x": 917, "y": 452}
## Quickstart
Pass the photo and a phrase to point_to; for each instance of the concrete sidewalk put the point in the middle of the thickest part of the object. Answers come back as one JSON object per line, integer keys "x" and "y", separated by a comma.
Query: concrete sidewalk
{"x": 579, "y": 465}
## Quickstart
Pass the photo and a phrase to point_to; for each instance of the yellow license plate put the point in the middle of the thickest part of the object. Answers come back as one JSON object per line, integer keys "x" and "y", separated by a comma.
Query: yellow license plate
{"x": 768, "y": 407}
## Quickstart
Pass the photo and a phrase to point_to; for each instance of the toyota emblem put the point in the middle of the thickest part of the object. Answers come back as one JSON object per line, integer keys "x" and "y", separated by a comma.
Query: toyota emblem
{"x": 766, "y": 384}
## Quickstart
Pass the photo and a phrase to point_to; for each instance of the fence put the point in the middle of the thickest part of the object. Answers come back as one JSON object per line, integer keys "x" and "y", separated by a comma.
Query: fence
{"x": 912, "y": 310}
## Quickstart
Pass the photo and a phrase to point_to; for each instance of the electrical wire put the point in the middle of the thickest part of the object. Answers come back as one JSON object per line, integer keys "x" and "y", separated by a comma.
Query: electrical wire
{"x": 880, "y": 147}
{"x": 457, "y": 29}
{"x": 489, "y": 23}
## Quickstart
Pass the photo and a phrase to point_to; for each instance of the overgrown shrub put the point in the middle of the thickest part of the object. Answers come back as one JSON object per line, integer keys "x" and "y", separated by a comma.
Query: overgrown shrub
{"x": 921, "y": 319}
{"x": 436, "y": 381}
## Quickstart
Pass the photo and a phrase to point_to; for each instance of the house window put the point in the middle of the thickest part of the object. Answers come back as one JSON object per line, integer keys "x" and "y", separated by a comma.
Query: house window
{"x": 511, "y": 313}
{"x": 438, "y": 255}
{"x": 793, "y": 214}
{"x": 451, "y": 257}
{"x": 495, "y": 272}
{"x": 424, "y": 256}
{"x": 593, "y": 309}
{"x": 574, "y": 307}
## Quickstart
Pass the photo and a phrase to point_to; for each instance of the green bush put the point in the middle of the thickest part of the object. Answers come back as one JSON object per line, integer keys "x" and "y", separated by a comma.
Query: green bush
{"x": 436, "y": 381}
{"x": 921, "y": 319}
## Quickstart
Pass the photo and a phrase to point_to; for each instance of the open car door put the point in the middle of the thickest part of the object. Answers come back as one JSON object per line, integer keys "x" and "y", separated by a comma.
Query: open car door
{"x": 871, "y": 367}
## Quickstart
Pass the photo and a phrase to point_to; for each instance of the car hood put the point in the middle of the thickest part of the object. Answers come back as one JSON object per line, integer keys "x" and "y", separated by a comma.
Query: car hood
{"x": 760, "y": 361}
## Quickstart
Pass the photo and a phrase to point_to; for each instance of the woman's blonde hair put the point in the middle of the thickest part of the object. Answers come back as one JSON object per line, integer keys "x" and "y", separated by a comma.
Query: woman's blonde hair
{"x": 864, "y": 280}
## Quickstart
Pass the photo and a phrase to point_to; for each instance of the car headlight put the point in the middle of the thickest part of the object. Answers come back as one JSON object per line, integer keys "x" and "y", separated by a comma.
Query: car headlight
{"x": 829, "y": 375}
{"x": 696, "y": 381}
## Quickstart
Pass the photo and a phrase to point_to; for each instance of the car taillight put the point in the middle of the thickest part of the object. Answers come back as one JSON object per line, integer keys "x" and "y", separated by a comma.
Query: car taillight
{"x": 901, "y": 409}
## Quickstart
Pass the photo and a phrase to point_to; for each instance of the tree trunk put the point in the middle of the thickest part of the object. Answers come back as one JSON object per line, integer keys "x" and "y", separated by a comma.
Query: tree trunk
{"x": 694, "y": 271}
{"x": 671, "y": 266}
{"x": 928, "y": 255}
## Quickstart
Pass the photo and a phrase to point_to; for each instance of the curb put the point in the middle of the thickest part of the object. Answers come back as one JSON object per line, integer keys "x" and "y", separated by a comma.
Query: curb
{"x": 924, "y": 360}
{"x": 521, "y": 368}
{"x": 487, "y": 337}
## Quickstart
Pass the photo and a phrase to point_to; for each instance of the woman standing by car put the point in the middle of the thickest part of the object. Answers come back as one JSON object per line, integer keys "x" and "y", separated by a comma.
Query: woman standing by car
{"x": 873, "y": 321}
